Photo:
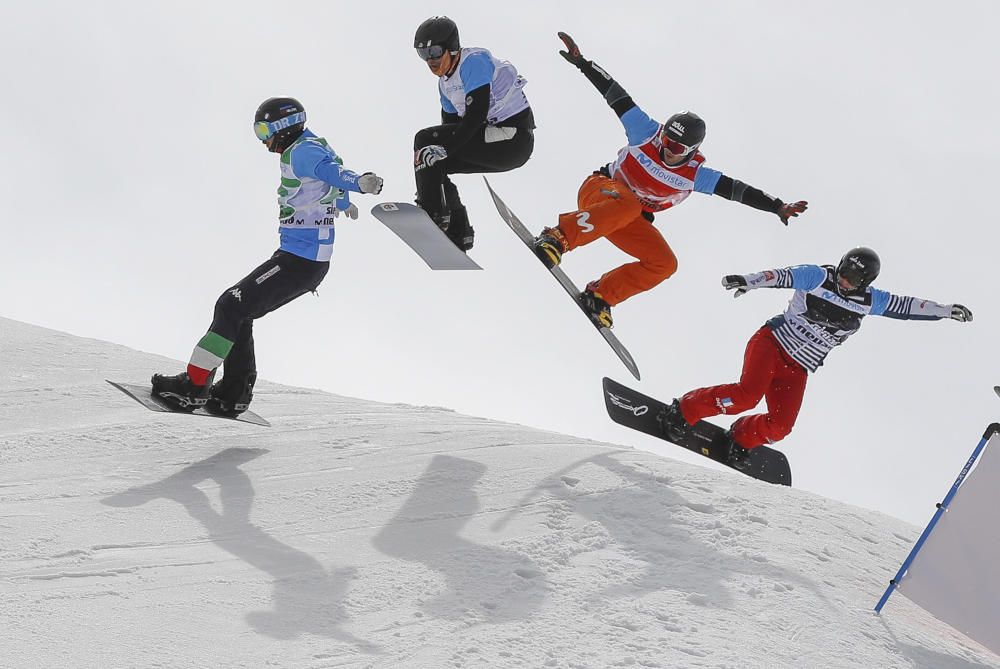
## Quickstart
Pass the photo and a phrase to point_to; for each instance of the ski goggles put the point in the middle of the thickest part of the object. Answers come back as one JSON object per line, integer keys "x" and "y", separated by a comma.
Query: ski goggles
{"x": 432, "y": 52}
{"x": 266, "y": 131}
{"x": 675, "y": 147}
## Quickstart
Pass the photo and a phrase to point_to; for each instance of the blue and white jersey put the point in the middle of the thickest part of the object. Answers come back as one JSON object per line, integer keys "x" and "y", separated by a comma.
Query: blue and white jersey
{"x": 819, "y": 317}
{"x": 313, "y": 184}
{"x": 478, "y": 67}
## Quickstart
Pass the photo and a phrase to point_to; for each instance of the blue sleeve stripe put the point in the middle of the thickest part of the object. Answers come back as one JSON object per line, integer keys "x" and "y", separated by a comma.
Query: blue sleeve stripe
{"x": 639, "y": 128}
{"x": 476, "y": 70}
{"x": 705, "y": 180}
{"x": 807, "y": 277}
{"x": 883, "y": 301}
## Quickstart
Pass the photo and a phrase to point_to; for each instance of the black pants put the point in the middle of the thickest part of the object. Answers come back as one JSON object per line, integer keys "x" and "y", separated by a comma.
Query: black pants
{"x": 273, "y": 284}
{"x": 438, "y": 196}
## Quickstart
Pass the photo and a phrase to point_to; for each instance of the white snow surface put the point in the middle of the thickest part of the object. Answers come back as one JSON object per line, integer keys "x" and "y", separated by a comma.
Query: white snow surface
{"x": 360, "y": 534}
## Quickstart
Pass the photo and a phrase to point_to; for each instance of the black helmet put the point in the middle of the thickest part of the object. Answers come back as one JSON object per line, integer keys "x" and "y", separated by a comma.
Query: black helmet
{"x": 686, "y": 128}
{"x": 859, "y": 267}
{"x": 437, "y": 31}
{"x": 269, "y": 117}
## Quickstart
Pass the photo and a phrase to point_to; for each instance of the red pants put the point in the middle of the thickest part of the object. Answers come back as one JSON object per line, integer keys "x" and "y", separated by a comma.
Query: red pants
{"x": 609, "y": 209}
{"x": 768, "y": 372}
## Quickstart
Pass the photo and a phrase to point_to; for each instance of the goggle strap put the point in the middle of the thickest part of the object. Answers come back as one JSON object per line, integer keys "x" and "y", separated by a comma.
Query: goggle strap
{"x": 275, "y": 127}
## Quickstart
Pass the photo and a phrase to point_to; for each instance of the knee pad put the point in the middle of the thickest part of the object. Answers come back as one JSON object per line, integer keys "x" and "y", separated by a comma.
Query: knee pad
{"x": 426, "y": 137}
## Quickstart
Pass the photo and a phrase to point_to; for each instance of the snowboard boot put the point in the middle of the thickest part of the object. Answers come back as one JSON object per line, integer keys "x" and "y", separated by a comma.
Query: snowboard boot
{"x": 231, "y": 398}
{"x": 549, "y": 246}
{"x": 672, "y": 422}
{"x": 739, "y": 457}
{"x": 179, "y": 392}
{"x": 459, "y": 230}
{"x": 595, "y": 306}
{"x": 441, "y": 219}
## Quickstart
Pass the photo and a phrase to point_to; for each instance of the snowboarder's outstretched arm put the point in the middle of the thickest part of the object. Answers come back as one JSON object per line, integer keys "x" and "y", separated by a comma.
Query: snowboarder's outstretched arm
{"x": 915, "y": 308}
{"x": 808, "y": 277}
{"x": 799, "y": 277}
{"x": 714, "y": 182}
{"x": 639, "y": 127}
{"x": 310, "y": 159}
{"x": 612, "y": 91}
{"x": 313, "y": 160}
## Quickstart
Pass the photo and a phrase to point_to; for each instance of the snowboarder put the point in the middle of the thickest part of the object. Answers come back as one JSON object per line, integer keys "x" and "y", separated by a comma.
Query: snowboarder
{"x": 827, "y": 307}
{"x": 313, "y": 193}
{"x": 657, "y": 170}
{"x": 486, "y": 124}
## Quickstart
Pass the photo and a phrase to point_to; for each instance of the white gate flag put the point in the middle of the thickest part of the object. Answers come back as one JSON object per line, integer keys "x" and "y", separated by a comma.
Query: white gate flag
{"x": 955, "y": 575}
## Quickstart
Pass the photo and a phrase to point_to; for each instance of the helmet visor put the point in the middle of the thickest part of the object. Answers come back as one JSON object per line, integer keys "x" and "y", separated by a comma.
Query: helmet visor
{"x": 432, "y": 52}
{"x": 266, "y": 131}
{"x": 852, "y": 275}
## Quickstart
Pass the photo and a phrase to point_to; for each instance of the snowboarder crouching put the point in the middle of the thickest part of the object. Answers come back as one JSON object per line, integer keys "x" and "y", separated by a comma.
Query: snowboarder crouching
{"x": 313, "y": 193}
{"x": 486, "y": 124}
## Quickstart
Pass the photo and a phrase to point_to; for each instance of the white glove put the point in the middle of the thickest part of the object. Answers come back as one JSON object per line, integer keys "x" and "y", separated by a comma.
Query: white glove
{"x": 428, "y": 155}
{"x": 370, "y": 184}
{"x": 351, "y": 212}
{"x": 961, "y": 313}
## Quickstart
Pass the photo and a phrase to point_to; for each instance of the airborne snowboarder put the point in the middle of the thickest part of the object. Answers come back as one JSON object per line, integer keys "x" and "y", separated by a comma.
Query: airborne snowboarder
{"x": 313, "y": 193}
{"x": 486, "y": 124}
{"x": 657, "y": 170}
{"x": 827, "y": 308}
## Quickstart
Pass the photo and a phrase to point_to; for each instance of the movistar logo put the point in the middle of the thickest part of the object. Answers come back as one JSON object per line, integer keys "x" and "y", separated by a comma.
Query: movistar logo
{"x": 666, "y": 176}
{"x": 830, "y": 296}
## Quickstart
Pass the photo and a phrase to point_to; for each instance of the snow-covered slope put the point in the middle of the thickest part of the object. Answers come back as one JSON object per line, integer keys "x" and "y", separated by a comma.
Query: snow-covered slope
{"x": 356, "y": 534}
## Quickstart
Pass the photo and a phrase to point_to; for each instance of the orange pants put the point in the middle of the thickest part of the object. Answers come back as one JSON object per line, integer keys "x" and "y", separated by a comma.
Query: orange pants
{"x": 609, "y": 209}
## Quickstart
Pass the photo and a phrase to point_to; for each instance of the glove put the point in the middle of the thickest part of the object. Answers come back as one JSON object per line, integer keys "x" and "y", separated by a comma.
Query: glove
{"x": 572, "y": 52}
{"x": 429, "y": 155}
{"x": 370, "y": 184}
{"x": 791, "y": 210}
{"x": 961, "y": 313}
{"x": 735, "y": 281}
{"x": 351, "y": 212}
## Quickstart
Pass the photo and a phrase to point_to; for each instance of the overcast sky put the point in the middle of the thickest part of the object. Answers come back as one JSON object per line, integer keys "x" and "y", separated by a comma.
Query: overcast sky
{"x": 134, "y": 192}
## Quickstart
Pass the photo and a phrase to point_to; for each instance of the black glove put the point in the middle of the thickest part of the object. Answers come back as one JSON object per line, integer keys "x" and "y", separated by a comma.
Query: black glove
{"x": 961, "y": 313}
{"x": 791, "y": 210}
{"x": 572, "y": 52}
{"x": 737, "y": 282}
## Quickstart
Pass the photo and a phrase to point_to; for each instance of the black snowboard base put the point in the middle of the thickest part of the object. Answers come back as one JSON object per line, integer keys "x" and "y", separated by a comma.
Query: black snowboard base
{"x": 143, "y": 394}
{"x": 639, "y": 412}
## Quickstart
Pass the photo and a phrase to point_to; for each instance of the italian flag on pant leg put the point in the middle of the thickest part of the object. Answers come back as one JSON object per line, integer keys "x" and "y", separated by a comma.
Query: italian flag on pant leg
{"x": 211, "y": 350}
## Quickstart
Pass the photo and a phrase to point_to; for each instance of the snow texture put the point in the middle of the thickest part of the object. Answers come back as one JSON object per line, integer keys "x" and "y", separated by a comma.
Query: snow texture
{"x": 359, "y": 534}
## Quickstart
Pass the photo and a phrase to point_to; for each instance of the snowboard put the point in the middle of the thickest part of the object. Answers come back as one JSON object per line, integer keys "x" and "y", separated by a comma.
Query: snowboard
{"x": 522, "y": 232}
{"x": 412, "y": 224}
{"x": 143, "y": 394}
{"x": 639, "y": 412}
